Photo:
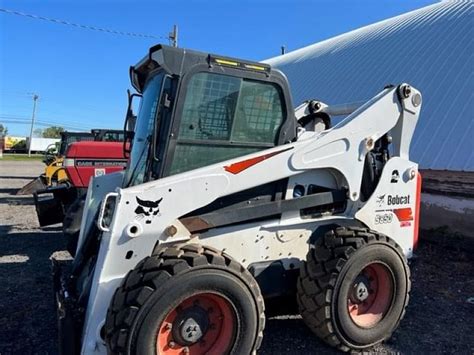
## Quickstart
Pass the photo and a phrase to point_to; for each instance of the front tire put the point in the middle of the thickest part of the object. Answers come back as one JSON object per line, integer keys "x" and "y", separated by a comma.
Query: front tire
{"x": 187, "y": 299}
{"x": 353, "y": 288}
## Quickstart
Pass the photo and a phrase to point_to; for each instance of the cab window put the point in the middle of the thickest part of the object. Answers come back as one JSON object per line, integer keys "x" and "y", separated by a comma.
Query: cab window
{"x": 225, "y": 117}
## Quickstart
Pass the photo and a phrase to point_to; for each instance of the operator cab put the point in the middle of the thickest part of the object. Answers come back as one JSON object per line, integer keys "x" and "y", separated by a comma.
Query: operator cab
{"x": 199, "y": 109}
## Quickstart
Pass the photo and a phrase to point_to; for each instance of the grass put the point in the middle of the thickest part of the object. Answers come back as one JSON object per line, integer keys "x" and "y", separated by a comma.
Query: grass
{"x": 22, "y": 157}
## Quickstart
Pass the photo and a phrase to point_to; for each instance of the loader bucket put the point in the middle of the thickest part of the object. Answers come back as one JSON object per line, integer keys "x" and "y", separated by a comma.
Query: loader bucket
{"x": 51, "y": 203}
{"x": 33, "y": 186}
{"x": 48, "y": 208}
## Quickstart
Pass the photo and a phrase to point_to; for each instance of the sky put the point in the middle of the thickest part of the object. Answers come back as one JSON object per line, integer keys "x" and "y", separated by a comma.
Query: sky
{"x": 81, "y": 75}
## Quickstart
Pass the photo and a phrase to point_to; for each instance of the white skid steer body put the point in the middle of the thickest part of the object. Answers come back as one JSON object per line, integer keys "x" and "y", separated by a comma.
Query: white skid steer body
{"x": 334, "y": 158}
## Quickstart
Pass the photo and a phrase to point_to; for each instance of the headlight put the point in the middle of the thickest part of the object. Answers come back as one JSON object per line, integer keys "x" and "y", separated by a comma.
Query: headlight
{"x": 68, "y": 162}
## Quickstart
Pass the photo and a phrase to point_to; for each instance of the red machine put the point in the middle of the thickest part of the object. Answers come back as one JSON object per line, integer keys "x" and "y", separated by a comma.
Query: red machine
{"x": 86, "y": 159}
{"x": 82, "y": 161}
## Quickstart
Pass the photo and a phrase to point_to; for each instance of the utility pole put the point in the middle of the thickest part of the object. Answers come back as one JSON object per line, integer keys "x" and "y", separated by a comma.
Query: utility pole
{"x": 173, "y": 36}
{"x": 35, "y": 98}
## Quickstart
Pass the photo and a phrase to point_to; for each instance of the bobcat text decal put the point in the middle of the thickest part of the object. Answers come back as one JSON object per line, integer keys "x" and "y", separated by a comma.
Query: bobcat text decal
{"x": 147, "y": 209}
{"x": 398, "y": 200}
{"x": 393, "y": 200}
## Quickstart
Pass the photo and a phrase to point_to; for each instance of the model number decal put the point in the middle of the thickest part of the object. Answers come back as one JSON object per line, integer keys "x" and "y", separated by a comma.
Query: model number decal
{"x": 383, "y": 218}
{"x": 404, "y": 216}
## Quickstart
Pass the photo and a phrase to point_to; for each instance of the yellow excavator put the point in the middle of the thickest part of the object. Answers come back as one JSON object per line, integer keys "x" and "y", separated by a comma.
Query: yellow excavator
{"x": 54, "y": 172}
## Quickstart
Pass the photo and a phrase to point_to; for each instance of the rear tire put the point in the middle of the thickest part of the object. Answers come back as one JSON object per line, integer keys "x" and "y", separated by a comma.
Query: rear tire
{"x": 186, "y": 297}
{"x": 353, "y": 288}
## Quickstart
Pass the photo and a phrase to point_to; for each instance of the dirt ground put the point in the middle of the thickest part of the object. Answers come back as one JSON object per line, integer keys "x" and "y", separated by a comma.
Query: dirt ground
{"x": 439, "y": 319}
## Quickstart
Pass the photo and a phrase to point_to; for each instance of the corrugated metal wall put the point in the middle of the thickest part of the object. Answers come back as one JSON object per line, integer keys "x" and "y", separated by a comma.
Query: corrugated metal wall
{"x": 431, "y": 48}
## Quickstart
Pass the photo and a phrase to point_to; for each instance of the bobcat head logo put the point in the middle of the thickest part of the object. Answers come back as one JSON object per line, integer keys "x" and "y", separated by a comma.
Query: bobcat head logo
{"x": 147, "y": 209}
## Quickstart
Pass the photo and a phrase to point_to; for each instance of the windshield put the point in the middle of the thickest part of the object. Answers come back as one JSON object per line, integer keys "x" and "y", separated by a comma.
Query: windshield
{"x": 144, "y": 132}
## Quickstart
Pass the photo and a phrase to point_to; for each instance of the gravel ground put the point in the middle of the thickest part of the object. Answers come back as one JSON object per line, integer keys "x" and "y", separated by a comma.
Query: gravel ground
{"x": 439, "y": 318}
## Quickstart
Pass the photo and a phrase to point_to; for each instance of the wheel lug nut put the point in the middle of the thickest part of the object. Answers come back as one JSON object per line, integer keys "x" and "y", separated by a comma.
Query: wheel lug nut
{"x": 168, "y": 326}
{"x": 185, "y": 350}
{"x": 171, "y": 344}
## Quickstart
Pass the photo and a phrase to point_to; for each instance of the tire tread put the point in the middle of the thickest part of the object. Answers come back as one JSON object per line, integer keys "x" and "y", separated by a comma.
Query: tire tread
{"x": 152, "y": 272}
{"x": 318, "y": 276}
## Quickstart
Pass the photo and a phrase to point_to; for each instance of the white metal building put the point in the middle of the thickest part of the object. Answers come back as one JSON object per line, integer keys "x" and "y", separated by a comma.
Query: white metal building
{"x": 431, "y": 48}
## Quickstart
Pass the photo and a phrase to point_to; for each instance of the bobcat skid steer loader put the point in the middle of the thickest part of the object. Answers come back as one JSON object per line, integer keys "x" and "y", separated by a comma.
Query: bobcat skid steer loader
{"x": 232, "y": 199}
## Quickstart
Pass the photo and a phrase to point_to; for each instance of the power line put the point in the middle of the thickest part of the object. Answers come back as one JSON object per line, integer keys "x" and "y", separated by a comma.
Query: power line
{"x": 47, "y": 120}
{"x": 47, "y": 123}
{"x": 41, "y": 124}
{"x": 17, "y": 94}
{"x": 6, "y": 115}
{"x": 77, "y": 25}
{"x": 50, "y": 120}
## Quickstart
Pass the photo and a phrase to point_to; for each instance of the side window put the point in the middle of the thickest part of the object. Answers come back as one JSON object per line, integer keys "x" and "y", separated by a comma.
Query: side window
{"x": 209, "y": 107}
{"x": 225, "y": 117}
{"x": 259, "y": 113}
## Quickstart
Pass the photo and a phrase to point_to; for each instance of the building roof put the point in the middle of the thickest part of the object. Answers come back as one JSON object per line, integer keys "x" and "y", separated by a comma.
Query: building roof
{"x": 431, "y": 48}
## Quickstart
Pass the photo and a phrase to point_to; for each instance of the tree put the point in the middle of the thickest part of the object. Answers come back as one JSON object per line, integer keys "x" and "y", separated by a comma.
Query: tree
{"x": 38, "y": 132}
{"x": 3, "y": 130}
{"x": 53, "y": 132}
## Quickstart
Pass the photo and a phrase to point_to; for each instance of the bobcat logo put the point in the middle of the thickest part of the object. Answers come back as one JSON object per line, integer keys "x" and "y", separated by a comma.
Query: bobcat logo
{"x": 380, "y": 200}
{"x": 147, "y": 209}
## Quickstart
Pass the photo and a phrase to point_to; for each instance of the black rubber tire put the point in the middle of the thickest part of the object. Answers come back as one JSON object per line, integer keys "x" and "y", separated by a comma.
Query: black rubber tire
{"x": 331, "y": 266}
{"x": 161, "y": 281}
{"x": 72, "y": 224}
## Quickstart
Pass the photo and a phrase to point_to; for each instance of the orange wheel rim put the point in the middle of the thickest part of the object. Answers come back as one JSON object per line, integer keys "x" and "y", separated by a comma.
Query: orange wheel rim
{"x": 370, "y": 295}
{"x": 201, "y": 324}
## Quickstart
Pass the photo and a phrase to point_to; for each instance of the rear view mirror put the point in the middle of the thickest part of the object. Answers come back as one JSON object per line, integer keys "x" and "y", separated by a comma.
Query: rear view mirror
{"x": 130, "y": 120}
{"x": 131, "y": 117}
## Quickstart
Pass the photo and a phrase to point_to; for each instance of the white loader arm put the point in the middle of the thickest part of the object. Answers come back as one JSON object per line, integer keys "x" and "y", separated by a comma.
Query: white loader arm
{"x": 132, "y": 235}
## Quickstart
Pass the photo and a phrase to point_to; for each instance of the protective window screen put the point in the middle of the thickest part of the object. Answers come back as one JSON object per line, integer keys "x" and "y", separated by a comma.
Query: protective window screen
{"x": 209, "y": 107}
{"x": 259, "y": 113}
{"x": 234, "y": 113}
